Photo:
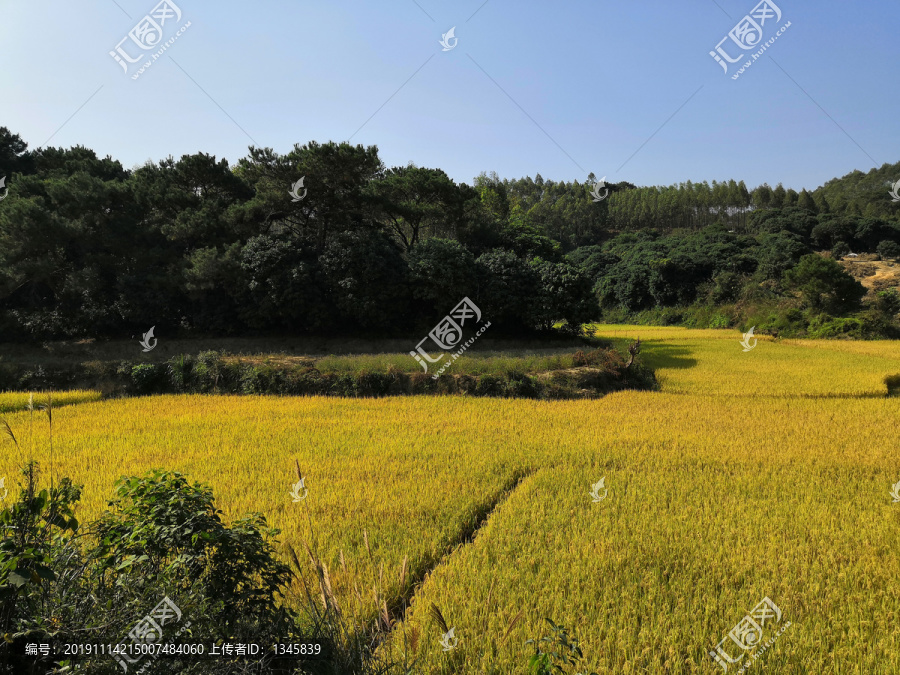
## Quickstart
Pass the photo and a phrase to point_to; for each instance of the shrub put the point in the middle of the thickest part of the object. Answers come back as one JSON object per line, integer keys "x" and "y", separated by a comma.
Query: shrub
{"x": 374, "y": 384}
{"x": 825, "y": 285}
{"x": 888, "y": 250}
{"x": 162, "y": 538}
{"x": 489, "y": 385}
{"x": 208, "y": 370}
{"x": 888, "y": 302}
{"x": 838, "y": 328}
{"x": 180, "y": 371}
{"x": 556, "y": 653}
{"x": 148, "y": 378}
{"x": 519, "y": 385}
{"x": 839, "y": 250}
{"x": 719, "y": 321}
{"x": 163, "y": 529}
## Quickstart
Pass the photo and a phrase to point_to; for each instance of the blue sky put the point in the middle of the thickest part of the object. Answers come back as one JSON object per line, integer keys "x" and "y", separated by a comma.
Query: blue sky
{"x": 626, "y": 90}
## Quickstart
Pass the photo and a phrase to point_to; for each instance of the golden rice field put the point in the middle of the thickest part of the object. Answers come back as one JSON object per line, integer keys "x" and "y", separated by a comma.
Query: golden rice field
{"x": 749, "y": 475}
{"x": 11, "y": 401}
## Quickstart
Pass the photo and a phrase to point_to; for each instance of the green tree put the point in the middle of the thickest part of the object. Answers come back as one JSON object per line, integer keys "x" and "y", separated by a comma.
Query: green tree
{"x": 830, "y": 231}
{"x": 14, "y": 157}
{"x": 807, "y": 202}
{"x": 870, "y": 232}
{"x": 507, "y": 288}
{"x": 189, "y": 201}
{"x": 441, "y": 273}
{"x": 888, "y": 250}
{"x": 888, "y": 302}
{"x": 565, "y": 295}
{"x": 337, "y": 197}
{"x": 840, "y": 250}
{"x": 413, "y": 201}
{"x": 593, "y": 260}
{"x": 366, "y": 280}
{"x": 284, "y": 285}
{"x": 763, "y": 196}
{"x": 824, "y": 285}
{"x": 778, "y": 252}
{"x": 779, "y": 197}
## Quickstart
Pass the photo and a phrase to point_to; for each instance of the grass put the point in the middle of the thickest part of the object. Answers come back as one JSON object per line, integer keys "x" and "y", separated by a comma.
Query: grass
{"x": 478, "y": 363}
{"x": 765, "y": 473}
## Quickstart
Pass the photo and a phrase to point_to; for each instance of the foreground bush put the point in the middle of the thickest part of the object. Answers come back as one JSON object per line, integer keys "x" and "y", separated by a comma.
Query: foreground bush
{"x": 161, "y": 545}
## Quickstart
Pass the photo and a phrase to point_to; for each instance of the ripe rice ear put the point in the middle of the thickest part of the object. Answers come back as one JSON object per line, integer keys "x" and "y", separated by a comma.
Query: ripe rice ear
{"x": 512, "y": 624}
{"x": 435, "y": 613}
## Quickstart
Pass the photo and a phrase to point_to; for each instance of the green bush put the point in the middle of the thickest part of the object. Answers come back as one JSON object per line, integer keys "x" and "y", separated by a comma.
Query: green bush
{"x": 839, "y": 250}
{"x": 374, "y": 384}
{"x": 719, "y": 321}
{"x": 148, "y": 378}
{"x": 838, "y": 328}
{"x": 180, "y": 372}
{"x": 556, "y": 653}
{"x": 825, "y": 285}
{"x": 888, "y": 302}
{"x": 888, "y": 250}
{"x": 162, "y": 537}
{"x": 489, "y": 385}
{"x": 257, "y": 379}
{"x": 208, "y": 370}
{"x": 519, "y": 385}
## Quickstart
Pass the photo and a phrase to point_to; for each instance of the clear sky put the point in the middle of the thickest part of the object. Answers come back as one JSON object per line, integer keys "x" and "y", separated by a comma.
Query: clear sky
{"x": 627, "y": 90}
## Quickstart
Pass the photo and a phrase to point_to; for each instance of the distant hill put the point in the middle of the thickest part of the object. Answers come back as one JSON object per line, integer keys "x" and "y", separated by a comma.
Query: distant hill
{"x": 862, "y": 194}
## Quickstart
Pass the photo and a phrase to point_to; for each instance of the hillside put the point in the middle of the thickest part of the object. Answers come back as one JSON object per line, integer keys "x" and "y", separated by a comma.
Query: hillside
{"x": 876, "y": 275}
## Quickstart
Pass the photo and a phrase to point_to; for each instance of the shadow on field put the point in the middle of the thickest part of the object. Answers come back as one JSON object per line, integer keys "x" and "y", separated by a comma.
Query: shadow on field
{"x": 665, "y": 355}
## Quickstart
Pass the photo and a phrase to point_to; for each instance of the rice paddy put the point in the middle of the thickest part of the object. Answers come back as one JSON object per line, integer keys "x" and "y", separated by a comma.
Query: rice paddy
{"x": 12, "y": 401}
{"x": 754, "y": 474}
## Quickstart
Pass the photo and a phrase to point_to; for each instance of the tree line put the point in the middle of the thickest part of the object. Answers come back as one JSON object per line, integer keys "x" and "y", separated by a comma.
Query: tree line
{"x": 202, "y": 246}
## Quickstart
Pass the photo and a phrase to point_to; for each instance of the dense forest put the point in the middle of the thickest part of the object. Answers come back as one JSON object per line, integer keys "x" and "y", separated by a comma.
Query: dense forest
{"x": 198, "y": 246}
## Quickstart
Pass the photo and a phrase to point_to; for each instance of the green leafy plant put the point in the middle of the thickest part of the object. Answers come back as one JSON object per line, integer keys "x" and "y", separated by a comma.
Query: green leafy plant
{"x": 556, "y": 653}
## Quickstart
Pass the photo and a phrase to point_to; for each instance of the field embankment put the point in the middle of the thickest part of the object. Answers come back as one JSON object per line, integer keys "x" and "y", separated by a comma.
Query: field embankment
{"x": 540, "y": 370}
